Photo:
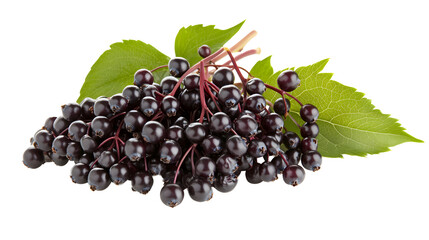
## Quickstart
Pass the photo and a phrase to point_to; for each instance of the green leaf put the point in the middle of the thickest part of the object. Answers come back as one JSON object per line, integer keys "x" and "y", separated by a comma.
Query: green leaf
{"x": 263, "y": 69}
{"x": 348, "y": 122}
{"x": 189, "y": 39}
{"x": 116, "y": 67}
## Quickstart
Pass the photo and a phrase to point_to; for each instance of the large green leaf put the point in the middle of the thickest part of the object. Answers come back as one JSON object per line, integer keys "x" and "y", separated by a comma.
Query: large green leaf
{"x": 116, "y": 67}
{"x": 349, "y": 123}
{"x": 189, "y": 39}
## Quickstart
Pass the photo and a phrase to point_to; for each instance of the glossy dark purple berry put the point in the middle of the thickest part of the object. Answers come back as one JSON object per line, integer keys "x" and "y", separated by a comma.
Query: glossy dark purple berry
{"x": 43, "y": 140}
{"x": 98, "y": 179}
{"x": 170, "y": 151}
{"x": 170, "y": 106}
{"x": 79, "y": 173}
{"x": 60, "y": 124}
{"x": 192, "y": 81}
{"x": 102, "y": 108}
{"x": 291, "y": 140}
{"x": 172, "y": 195}
{"x": 309, "y": 113}
{"x": 143, "y": 77}
{"x": 204, "y": 51}
{"x": 135, "y": 149}
{"x": 77, "y": 130}
{"x": 288, "y": 80}
{"x": 195, "y": 132}
{"x": 245, "y": 162}
{"x": 220, "y": 123}
{"x": 33, "y": 158}
{"x": 268, "y": 172}
{"x": 119, "y": 173}
{"x": 293, "y": 175}
{"x": 153, "y": 132}
{"x": 178, "y": 66}
{"x": 222, "y": 77}
{"x": 246, "y": 126}
{"x": 59, "y": 145}
{"x": 101, "y": 127}
{"x": 149, "y": 106}
{"x": 107, "y": 159}
{"x": 71, "y": 111}
{"x": 142, "y": 182}
{"x": 226, "y": 164}
{"x": 255, "y": 103}
{"x": 279, "y": 106}
{"x": 272, "y": 123}
{"x": 311, "y": 160}
{"x": 226, "y": 183}
{"x": 257, "y": 148}
{"x": 87, "y": 106}
{"x": 118, "y": 103}
{"x": 229, "y": 95}
{"x": 134, "y": 121}
{"x": 308, "y": 144}
{"x": 236, "y": 146}
{"x": 132, "y": 94}
{"x": 200, "y": 190}
{"x": 252, "y": 174}
{"x": 309, "y": 130}
{"x": 212, "y": 145}
{"x": 49, "y": 124}
{"x": 255, "y": 86}
{"x": 205, "y": 169}
{"x": 88, "y": 144}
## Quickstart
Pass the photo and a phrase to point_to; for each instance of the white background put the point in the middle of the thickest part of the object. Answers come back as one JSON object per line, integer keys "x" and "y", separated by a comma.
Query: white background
{"x": 379, "y": 47}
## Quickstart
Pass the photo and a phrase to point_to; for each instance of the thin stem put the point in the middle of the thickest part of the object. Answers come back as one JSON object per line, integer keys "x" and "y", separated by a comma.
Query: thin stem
{"x": 64, "y": 131}
{"x": 118, "y": 115}
{"x": 193, "y": 68}
{"x": 243, "y": 80}
{"x": 238, "y": 46}
{"x": 145, "y": 163}
{"x": 122, "y": 159}
{"x": 281, "y": 92}
{"x": 294, "y": 121}
{"x": 105, "y": 141}
{"x": 192, "y": 162}
{"x": 230, "y": 66}
{"x": 244, "y": 54}
{"x": 202, "y": 95}
{"x": 214, "y": 87}
{"x": 163, "y": 66}
{"x": 284, "y": 159}
{"x": 159, "y": 94}
{"x": 181, "y": 161}
{"x": 213, "y": 97}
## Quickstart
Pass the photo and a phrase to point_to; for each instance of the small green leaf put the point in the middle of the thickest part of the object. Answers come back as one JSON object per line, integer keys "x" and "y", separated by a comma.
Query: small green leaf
{"x": 189, "y": 39}
{"x": 116, "y": 67}
{"x": 263, "y": 69}
{"x": 348, "y": 122}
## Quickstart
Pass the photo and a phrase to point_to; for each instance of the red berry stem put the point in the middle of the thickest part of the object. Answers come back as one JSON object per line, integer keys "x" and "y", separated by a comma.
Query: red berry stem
{"x": 294, "y": 121}
{"x": 105, "y": 141}
{"x": 284, "y": 159}
{"x": 163, "y": 66}
{"x": 203, "y": 79}
{"x": 117, "y": 115}
{"x": 193, "y": 68}
{"x": 244, "y": 54}
{"x": 122, "y": 159}
{"x": 214, "y": 87}
{"x": 181, "y": 161}
{"x": 281, "y": 92}
{"x": 192, "y": 162}
{"x": 238, "y": 46}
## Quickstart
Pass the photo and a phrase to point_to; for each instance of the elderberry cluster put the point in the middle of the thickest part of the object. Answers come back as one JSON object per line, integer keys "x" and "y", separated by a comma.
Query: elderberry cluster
{"x": 196, "y": 129}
